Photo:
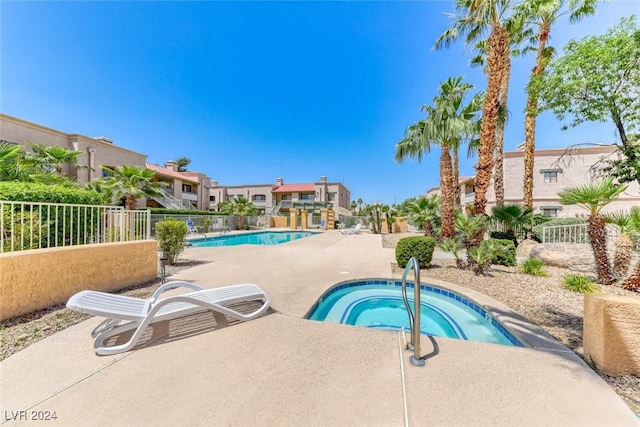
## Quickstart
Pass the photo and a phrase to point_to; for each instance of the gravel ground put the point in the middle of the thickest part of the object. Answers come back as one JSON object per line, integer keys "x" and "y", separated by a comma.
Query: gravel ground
{"x": 540, "y": 299}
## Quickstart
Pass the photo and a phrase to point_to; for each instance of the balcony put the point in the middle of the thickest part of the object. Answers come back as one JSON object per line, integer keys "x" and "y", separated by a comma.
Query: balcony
{"x": 469, "y": 197}
{"x": 190, "y": 196}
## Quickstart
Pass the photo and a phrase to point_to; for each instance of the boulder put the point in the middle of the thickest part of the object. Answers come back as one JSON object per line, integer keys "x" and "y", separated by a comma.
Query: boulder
{"x": 573, "y": 256}
{"x": 524, "y": 248}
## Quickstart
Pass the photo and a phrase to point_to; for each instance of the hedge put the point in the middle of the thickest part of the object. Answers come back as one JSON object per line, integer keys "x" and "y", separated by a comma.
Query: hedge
{"x": 420, "y": 247}
{"x": 43, "y": 193}
{"x": 506, "y": 256}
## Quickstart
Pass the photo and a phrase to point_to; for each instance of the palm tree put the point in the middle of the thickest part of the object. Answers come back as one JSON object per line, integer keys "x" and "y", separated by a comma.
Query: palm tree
{"x": 51, "y": 158}
{"x": 424, "y": 212}
{"x": 129, "y": 183}
{"x": 543, "y": 14}
{"x": 354, "y": 205}
{"x": 448, "y": 122}
{"x": 624, "y": 245}
{"x": 241, "y": 207}
{"x": 182, "y": 163}
{"x": 632, "y": 283}
{"x": 594, "y": 197}
{"x": 471, "y": 228}
{"x": 479, "y": 16}
{"x": 511, "y": 217}
{"x": 11, "y": 162}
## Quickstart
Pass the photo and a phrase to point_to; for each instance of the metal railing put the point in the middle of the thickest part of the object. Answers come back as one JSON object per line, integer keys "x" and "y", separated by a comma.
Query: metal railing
{"x": 574, "y": 233}
{"x": 414, "y": 316}
{"x": 34, "y": 225}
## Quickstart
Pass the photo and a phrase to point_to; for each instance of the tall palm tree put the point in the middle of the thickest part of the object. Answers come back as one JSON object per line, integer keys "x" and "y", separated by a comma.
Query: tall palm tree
{"x": 129, "y": 183}
{"x": 593, "y": 198}
{"x": 543, "y": 14}
{"x": 476, "y": 18}
{"x": 52, "y": 158}
{"x": 448, "y": 122}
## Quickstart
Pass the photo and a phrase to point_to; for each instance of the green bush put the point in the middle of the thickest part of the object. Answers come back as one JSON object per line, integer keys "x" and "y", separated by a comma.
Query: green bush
{"x": 171, "y": 238}
{"x": 420, "y": 247}
{"x": 533, "y": 267}
{"x": 502, "y": 235}
{"x": 43, "y": 193}
{"x": 580, "y": 283}
{"x": 505, "y": 253}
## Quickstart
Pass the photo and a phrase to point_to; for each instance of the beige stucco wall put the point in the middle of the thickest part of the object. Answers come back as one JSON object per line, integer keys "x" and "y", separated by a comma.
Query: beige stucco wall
{"x": 36, "y": 279}
{"x": 611, "y": 333}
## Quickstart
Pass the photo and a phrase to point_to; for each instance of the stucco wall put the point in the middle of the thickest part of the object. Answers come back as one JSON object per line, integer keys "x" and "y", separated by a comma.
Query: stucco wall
{"x": 37, "y": 279}
{"x": 610, "y": 336}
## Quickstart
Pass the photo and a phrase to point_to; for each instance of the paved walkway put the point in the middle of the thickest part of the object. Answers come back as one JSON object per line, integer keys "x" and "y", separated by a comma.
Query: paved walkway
{"x": 283, "y": 370}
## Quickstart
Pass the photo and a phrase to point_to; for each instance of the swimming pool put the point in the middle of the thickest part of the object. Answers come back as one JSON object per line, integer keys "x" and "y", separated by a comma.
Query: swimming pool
{"x": 259, "y": 238}
{"x": 378, "y": 304}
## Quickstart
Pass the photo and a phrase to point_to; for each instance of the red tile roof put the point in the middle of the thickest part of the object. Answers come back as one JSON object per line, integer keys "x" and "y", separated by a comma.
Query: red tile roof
{"x": 294, "y": 188}
{"x": 169, "y": 172}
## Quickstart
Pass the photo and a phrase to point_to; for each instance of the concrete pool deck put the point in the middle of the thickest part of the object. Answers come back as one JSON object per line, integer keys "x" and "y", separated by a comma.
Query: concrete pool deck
{"x": 281, "y": 369}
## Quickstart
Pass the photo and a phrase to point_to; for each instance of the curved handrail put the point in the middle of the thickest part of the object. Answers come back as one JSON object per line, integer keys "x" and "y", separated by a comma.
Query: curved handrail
{"x": 414, "y": 316}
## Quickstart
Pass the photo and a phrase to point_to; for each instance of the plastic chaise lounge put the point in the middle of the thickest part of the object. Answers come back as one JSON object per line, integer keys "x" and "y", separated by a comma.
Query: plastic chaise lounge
{"x": 141, "y": 312}
{"x": 352, "y": 230}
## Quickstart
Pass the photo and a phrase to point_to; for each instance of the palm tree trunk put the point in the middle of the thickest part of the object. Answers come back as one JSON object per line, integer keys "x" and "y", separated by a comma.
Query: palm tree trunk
{"x": 598, "y": 239}
{"x": 622, "y": 257}
{"x": 498, "y": 51}
{"x": 446, "y": 172}
{"x": 633, "y": 282}
{"x": 130, "y": 202}
{"x": 455, "y": 181}
{"x": 530, "y": 119}
{"x": 498, "y": 179}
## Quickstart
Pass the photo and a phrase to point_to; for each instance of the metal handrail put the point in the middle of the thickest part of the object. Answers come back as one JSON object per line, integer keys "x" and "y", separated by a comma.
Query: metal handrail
{"x": 414, "y": 316}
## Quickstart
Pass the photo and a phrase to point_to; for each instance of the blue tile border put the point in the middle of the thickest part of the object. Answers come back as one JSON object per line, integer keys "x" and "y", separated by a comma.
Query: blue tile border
{"x": 427, "y": 288}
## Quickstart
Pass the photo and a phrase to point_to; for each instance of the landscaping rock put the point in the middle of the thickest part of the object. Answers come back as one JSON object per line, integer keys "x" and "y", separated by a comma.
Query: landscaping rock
{"x": 524, "y": 248}
{"x": 572, "y": 256}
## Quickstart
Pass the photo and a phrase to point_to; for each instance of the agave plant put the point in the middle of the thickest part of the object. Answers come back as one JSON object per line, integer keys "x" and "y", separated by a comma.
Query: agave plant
{"x": 624, "y": 245}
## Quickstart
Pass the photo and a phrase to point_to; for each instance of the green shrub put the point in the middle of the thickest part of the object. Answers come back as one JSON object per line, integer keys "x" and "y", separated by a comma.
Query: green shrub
{"x": 171, "y": 238}
{"x": 505, "y": 253}
{"x": 534, "y": 267}
{"x": 43, "y": 193}
{"x": 420, "y": 247}
{"x": 580, "y": 283}
{"x": 502, "y": 235}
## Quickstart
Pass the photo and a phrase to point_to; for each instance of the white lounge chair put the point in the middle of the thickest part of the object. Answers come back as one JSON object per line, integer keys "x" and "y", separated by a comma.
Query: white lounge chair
{"x": 191, "y": 228}
{"x": 352, "y": 230}
{"x": 141, "y": 312}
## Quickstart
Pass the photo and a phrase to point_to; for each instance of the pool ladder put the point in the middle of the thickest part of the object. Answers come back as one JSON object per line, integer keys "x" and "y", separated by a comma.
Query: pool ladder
{"x": 414, "y": 316}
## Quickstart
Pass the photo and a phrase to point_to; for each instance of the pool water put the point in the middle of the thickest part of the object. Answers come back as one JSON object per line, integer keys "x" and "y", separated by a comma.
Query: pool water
{"x": 259, "y": 238}
{"x": 379, "y": 304}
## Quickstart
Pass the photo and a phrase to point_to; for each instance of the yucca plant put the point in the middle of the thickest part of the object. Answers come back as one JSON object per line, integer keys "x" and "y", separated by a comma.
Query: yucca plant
{"x": 533, "y": 267}
{"x": 624, "y": 245}
{"x": 453, "y": 245}
{"x": 580, "y": 283}
{"x": 594, "y": 197}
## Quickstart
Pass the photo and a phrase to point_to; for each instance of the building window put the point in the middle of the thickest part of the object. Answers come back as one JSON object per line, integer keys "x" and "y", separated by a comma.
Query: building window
{"x": 259, "y": 198}
{"x": 332, "y": 197}
{"x": 187, "y": 188}
{"x": 308, "y": 197}
{"x": 212, "y": 198}
{"x": 552, "y": 212}
{"x": 286, "y": 197}
{"x": 550, "y": 176}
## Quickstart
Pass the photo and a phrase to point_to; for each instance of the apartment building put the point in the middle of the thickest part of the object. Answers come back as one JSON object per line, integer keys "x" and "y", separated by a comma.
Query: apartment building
{"x": 554, "y": 170}
{"x": 269, "y": 198}
{"x": 185, "y": 190}
{"x": 97, "y": 152}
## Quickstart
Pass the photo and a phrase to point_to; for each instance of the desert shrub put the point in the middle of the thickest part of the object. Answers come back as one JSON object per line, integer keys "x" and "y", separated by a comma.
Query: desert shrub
{"x": 420, "y": 247}
{"x": 534, "y": 267}
{"x": 171, "y": 238}
{"x": 505, "y": 253}
{"x": 580, "y": 283}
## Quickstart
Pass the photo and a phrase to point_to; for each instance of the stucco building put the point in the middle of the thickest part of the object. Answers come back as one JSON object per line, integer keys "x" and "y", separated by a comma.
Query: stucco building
{"x": 270, "y": 198}
{"x": 554, "y": 170}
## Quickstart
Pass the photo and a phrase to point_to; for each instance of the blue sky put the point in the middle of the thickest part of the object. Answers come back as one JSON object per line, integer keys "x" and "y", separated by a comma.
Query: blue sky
{"x": 252, "y": 91}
